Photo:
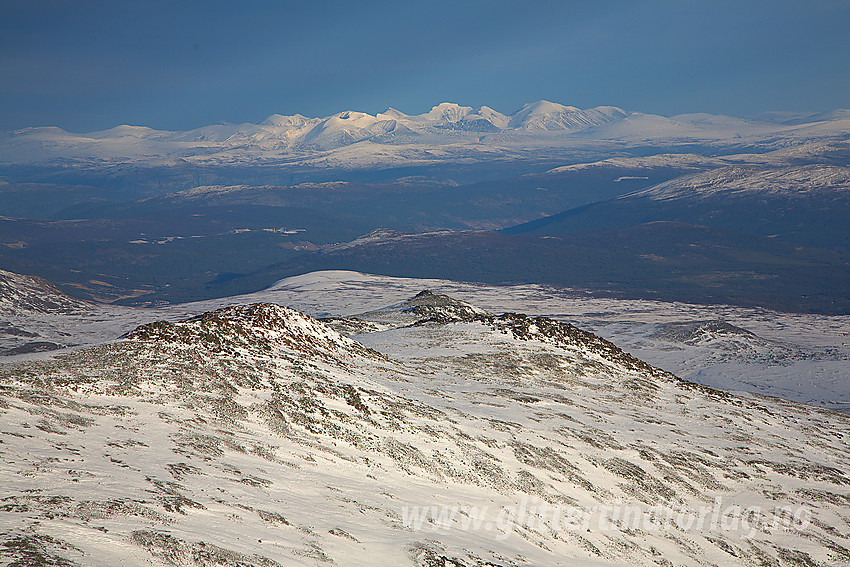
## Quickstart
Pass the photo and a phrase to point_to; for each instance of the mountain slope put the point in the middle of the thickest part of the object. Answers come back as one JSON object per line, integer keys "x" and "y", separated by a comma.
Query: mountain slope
{"x": 257, "y": 436}
{"x": 797, "y": 356}
{"x": 30, "y": 294}
{"x": 806, "y": 205}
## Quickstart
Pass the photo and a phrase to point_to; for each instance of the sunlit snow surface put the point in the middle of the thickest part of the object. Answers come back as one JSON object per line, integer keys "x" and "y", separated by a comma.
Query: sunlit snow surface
{"x": 256, "y": 436}
{"x": 449, "y": 131}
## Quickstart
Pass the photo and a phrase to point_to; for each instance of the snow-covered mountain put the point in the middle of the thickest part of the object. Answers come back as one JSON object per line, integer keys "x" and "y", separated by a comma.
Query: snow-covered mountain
{"x": 447, "y": 132}
{"x": 441, "y": 435}
{"x": 803, "y": 357}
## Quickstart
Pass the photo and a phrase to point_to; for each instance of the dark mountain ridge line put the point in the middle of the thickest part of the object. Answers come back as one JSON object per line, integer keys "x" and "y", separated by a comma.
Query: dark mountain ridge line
{"x": 658, "y": 260}
{"x": 799, "y": 204}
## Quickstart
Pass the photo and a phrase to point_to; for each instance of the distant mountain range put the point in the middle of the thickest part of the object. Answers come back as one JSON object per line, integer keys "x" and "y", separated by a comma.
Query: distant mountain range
{"x": 447, "y": 132}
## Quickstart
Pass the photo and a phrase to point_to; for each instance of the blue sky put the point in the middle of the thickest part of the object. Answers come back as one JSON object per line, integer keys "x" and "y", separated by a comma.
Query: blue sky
{"x": 85, "y": 65}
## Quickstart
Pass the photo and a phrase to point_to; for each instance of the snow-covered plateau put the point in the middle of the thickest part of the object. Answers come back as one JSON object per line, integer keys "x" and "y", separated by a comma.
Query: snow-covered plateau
{"x": 371, "y": 422}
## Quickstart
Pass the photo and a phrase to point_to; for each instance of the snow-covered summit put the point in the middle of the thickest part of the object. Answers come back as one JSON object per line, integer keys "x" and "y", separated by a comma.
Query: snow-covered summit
{"x": 550, "y": 116}
{"x": 447, "y": 112}
{"x": 494, "y": 117}
{"x": 279, "y": 120}
{"x": 437, "y": 307}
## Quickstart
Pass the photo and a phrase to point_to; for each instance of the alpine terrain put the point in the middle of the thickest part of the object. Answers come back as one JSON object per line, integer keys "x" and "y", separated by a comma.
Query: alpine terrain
{"x": 402, "y": 429}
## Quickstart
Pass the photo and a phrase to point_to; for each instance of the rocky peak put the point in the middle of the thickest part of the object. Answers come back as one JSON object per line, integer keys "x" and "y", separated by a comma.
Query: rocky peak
{"x": 439, "y": 308}
{"x": 693, "y": 332}
{"x": 260, "y": 326}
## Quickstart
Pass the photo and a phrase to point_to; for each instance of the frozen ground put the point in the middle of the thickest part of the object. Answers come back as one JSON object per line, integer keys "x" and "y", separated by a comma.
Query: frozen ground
{"x": 444, "y": 436}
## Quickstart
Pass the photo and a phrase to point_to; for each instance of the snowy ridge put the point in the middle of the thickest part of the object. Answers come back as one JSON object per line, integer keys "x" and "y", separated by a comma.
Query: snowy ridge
{"x": 696, "y": 332}
{"x": 796, "y": 356}
{"x": 834, "y": 152}
{"x": 427, "y": 307}
{"x": 798, "y": 181}
{"x": 802, "y": 357}
{"x": 566, "y": 335}
{"x": 680, "y": 161}
{"x": 729, "y": 343}
{"x": 724, "y": 343}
